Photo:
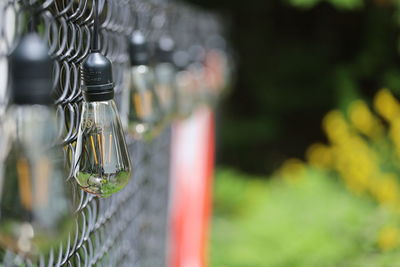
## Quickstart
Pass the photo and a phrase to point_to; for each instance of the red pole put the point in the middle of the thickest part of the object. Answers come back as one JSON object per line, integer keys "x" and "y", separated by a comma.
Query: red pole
{"x": 192, "y": 167}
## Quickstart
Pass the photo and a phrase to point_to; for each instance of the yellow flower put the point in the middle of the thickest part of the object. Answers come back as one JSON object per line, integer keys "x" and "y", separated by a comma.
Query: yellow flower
{"x": 363, "y": 119}
{"x": 292, "y": 169}
{"x": 388, "y": 238}
{"x": 336, "y": 127}
{"x": 386, "y": 190}
{"x": 394, "y": 134}
{"x": 386, "y": 105}
{"x": 320, "y": 155}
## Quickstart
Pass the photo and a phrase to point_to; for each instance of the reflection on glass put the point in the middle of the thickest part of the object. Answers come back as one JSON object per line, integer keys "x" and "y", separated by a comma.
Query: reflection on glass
{"x": 102, "y": 165}
{"x": 35, "y": 200}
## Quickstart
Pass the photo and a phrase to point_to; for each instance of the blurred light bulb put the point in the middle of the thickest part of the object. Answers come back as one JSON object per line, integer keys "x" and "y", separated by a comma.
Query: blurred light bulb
{"x": 183, "y": 84}
{"x": 165, "y": 76}
{"x": 165, "y": 86}
{"x": 144, "y": 113}
{"x": 144, "y": 116}
{"x": 35, "y": 199}
{"x": 199, "y": 86}
{"x": 102, "y": 164}
{"x": 220, "y": 62}
{"x": 213, "y": 75}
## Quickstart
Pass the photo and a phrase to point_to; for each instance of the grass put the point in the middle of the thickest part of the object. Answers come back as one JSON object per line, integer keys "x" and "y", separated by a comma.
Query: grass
{"x": 312, "y": 221}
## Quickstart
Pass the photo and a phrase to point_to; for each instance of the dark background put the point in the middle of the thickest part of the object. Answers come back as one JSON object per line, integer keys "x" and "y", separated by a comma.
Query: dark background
{"x": 295, "y": 62}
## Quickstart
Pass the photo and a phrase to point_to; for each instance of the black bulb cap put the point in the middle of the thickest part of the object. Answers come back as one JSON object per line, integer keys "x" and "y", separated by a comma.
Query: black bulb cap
{"x": 96, "y": 73}
{"x": 138, "y": 49}
{"x": 31, "y": 71}
{"x": 165, "y": 49}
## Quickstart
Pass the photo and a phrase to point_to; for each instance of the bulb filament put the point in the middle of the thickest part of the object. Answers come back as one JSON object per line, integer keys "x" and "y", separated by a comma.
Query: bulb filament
{"x": 142, "y": 104}
{"x": 24, "y": 183}
{"x": 98, "y": 144}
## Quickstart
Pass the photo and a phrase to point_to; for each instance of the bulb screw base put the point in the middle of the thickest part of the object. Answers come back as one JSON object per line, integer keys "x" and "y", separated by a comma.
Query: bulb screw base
{"x": 165, "y": 49}
{"x": 96, "y": 73}
{"x": 138, "y": 49}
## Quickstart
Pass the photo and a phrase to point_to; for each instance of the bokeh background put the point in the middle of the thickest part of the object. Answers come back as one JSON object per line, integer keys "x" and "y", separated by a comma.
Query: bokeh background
{"x": 308, "y": 162}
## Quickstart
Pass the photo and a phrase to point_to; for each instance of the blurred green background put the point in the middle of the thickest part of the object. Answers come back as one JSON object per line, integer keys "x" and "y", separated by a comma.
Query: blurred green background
{"x": 296, "y": 60}
{"x": 311, "y": 223}
{"x": 338, "y": 202}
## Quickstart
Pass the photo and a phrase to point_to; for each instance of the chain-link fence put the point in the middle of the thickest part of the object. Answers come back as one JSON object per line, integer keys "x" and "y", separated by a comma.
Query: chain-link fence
{"x": 130, "y": 228}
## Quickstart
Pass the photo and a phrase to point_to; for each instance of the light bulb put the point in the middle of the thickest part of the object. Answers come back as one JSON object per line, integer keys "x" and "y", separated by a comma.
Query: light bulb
{"x": 199, "y": 86}
{"x": 197, "y": 55}
{"x": 144, "y": 112}
{"x": 36, "y": 207}
{"x": 165, "y": 86}
{"x": 188, "y": 82}
{"x": 144, "y": 116}
{"x": 35, "y": 198}
{"x": 102, "y": 164}
{"x": 214, "y": 74}
{"x": 165, "y": 76}
{"x": 220, "y": 64}
{"x": 185, "y": 84}
{"x": 102, "y": 160}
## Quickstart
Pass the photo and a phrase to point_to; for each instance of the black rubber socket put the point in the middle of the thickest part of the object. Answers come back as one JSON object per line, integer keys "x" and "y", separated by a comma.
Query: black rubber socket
{"x": 138, "y": 49}
{"x": 164, "y": 50}
{"x": 96, "y": 72}
{"x": 31, "y": 70}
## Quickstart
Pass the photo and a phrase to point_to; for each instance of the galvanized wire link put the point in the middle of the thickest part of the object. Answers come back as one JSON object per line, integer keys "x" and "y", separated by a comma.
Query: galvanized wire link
{"x": 128, "y": 229}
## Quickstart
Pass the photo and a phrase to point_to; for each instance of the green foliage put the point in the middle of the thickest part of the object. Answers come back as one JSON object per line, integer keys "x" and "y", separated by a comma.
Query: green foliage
{"x": 236, "y": 197}
{"x": 312, "y": 221}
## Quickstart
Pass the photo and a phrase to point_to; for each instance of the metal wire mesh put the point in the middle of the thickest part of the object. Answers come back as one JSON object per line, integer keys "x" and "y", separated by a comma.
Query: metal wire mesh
{"x": 128, "y": 229}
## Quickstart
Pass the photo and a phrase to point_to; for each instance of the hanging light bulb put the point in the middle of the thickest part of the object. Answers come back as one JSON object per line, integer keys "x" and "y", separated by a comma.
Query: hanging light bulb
{"x": 184, "y": 84}
{"x": 182, "y": 59}
{"x": 144, "y": 113}
{"x": 219, "y": 65}
{"x": 165, "y": 76}
{"x": 102, "y": 165}
{"x": 197, "y": 71}
{"x": 35, "y": 199}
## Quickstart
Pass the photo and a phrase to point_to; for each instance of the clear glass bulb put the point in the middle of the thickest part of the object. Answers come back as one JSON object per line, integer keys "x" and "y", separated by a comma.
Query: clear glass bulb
{"x": 36, "y": 208}
{"x": 199, "y": 89}
{"x": 213, "y": 75}
{"x": 102, "y": 165}
{"x": 144, "y": 114}
{"x": 185, "y": 84}
{"x": 165, "y": 87}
